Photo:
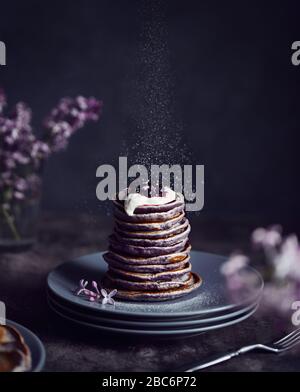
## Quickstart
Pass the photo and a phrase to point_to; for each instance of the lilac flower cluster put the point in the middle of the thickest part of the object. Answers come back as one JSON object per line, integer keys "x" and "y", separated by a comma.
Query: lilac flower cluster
{"x": 69, "y": 116}
{"x": 22, "y": 153}
{"x": 96, "y": 294}
{"x": 19, "y": 150}
{"x": 231, "y": 268}
{"x": 282, "y": 256}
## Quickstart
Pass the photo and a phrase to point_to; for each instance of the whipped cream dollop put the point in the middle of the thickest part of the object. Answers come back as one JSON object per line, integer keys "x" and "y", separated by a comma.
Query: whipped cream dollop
{"x": 135, "y": 200}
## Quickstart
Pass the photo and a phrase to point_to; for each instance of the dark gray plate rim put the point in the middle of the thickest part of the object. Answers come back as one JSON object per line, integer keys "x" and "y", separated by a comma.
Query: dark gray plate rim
{"x": 81, "y": 302}
{"x": 35, "y": 345}
{"x": 168, "y": 332}
{"x": 154, "y": 323}
{"x": 93, "y": 310}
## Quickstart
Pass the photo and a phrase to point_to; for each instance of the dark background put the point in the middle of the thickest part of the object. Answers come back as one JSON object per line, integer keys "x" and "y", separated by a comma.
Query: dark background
{"x": 235, "y": 94}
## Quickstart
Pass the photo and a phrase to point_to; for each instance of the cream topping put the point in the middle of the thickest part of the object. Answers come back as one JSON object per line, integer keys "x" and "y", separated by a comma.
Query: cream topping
{"x": 135, "y": 200}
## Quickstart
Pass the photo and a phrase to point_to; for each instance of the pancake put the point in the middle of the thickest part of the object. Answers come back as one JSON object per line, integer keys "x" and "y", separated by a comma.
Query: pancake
{"x": 150, "y": 276}
{"x": 176, "y": 228}
{"x": 149, "y": 226}
{"x": 151, "y": 217}
{"x": 15, "y": 355}
{"x": 150, "y": 242}
{"x": 161, "y": 259}
{"x": 164, "y": 295}
{"x": 159, "y": 285}
{"x": 151, "y": 268}
{"x": 148, "y": 251}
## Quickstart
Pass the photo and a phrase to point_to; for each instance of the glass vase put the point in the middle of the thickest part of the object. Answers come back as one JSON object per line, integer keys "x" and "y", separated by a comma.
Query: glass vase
{"x": 18, "y": 224}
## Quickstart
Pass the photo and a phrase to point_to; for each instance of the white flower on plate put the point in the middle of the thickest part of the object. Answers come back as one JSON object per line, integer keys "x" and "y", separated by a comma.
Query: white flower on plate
{"x": 107, "y": 297}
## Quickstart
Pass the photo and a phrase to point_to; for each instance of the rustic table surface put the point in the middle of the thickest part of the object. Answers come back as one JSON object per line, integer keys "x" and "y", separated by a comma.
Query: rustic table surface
{"x": 22, "y": 288}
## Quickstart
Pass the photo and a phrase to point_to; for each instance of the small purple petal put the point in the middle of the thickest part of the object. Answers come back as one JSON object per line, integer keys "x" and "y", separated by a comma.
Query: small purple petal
{"x": 81, "y": 283}
{"x": 94, "y": 284}
{"x": 235, "y": 263}
{"x": 110, "y": 301}
{"x": 104, "y": 293}
{"x": 19, "y": 195}
{"x": 112, "y": 293}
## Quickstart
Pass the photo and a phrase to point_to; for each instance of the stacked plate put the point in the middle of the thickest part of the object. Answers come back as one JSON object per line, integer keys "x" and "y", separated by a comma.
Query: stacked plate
{"x": 213, "y": 305}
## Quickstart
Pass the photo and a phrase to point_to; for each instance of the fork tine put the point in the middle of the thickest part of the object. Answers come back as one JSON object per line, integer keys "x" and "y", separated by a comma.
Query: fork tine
{"x": 288, "y": 337}
{"x": 292, "y": 343}
{"x": 291, "y": 339}
{"x": 288, "y": 341}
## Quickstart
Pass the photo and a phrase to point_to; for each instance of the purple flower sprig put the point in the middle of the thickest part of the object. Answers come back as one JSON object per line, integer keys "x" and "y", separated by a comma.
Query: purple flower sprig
{"x": 2, "y": 100}
{"x": 22, "y": 153}
{"x": 96, "y": 294}
{"x": 67, "y": 117}
{"x": 282, "y": 259}
{"x": 92, "y": 296}
{"x": 231, "y": 268}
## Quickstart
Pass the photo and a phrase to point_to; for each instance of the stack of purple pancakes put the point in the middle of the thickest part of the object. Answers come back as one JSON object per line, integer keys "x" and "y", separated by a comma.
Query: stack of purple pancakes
{"x": 148, "y": 257}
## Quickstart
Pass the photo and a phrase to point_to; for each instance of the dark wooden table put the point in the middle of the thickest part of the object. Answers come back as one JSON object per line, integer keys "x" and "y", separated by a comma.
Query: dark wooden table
{"x": 22, "y": 288}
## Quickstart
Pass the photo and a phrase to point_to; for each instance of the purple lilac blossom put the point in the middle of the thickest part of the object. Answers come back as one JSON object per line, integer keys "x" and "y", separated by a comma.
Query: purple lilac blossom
{"x": 269, "y": 237}
{"x": 230, "y": 269}
{"x": 2, "y": 100}
{"x": 69, "y": 116}
{"x": 22, "y": 153}
{"x": 283, "y": 256}
{"x": 95, "y": 296}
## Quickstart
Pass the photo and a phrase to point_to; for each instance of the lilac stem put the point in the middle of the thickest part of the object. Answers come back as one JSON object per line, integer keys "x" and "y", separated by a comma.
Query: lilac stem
{"x": 10, "y": 223}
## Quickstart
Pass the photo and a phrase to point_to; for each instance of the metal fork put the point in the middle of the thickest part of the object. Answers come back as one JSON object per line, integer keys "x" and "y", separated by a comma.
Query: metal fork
{"x": 277, "y": 347}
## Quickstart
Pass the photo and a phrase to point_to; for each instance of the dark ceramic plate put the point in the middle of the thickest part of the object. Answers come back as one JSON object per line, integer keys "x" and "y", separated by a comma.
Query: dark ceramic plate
{"x": 210, "y": 299}
{"x": 166, "y": 332}
{"x": 36, "y": 347}
{"x": 95, "y": 318}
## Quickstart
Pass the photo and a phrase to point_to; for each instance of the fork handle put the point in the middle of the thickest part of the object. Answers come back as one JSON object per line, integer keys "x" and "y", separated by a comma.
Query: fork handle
{"x": 221, "y": 359}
